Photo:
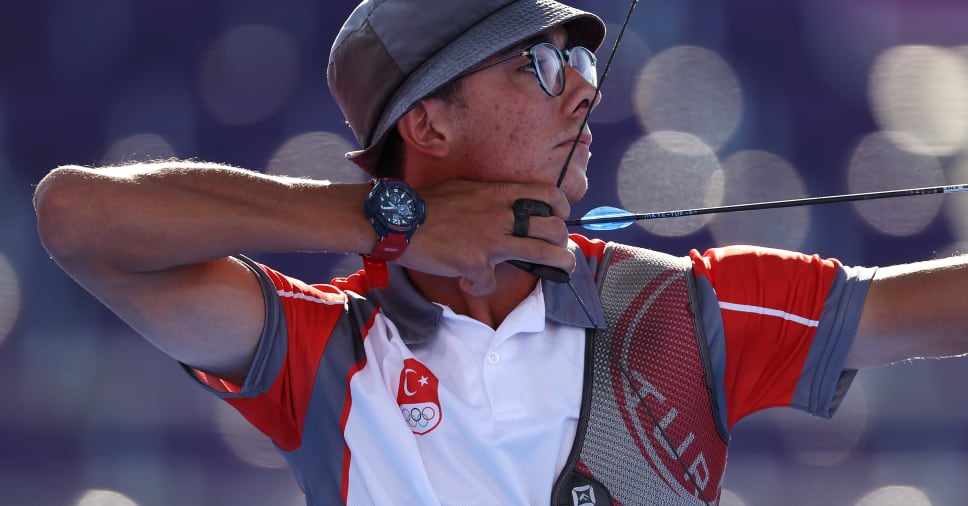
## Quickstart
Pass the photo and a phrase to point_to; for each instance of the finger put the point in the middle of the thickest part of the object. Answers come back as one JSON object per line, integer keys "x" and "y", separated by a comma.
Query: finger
{"x": 548, "y": 194}
{"x": 523, "y": 210}
{"x": 541, "y": 252}
{"x": 551, "y": 230}
{"x": 560, "y": 206}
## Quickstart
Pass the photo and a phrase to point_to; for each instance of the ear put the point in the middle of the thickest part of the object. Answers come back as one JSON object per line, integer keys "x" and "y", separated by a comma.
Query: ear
{"x": 427, "y": 128}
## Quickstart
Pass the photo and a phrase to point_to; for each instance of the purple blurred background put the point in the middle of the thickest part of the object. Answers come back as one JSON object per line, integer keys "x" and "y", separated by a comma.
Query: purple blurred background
{"x": 709, "y": 102}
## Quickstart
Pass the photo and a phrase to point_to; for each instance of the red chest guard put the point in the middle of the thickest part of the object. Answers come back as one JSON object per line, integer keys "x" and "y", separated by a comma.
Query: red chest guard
{"x": 648, "y": 432}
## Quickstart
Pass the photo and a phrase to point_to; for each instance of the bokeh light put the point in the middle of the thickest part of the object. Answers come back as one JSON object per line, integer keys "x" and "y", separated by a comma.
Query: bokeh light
{"x": 670, "y": 171}
{"x": 299, "y": 500}
{"x": 814, "y": 441}
{"x": 880, "y": 164}
{"x": 922, "y": 92}
{"x": 104, "y": 498}
{"x": 690, "y": 89}
{"x": 895, "y": 496}
{"x": 245, "y": 441}
{"x": 248, "y": 74}
{"x": 758, "y": 176}
{"x": 962, "y": 52}
{"x": 316, "y": 155}
{"x": 138, "y": 148}
{"x": 9, "y": 298}
{"x": 841, "y": 40}
{"x": 730, "y": 498}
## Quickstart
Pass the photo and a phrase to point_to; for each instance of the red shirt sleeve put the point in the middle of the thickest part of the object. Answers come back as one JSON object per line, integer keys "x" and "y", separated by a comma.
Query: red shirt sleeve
{"x": 299, "y": 321}
{"x": 771, "y": 303}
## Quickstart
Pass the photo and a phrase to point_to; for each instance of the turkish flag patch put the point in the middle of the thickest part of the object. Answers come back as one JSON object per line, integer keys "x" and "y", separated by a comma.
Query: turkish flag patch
{"x": 417, "y": 397}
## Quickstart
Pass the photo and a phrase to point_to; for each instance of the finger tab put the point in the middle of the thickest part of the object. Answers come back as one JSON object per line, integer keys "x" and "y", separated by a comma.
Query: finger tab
{"x": 524, "y": 209}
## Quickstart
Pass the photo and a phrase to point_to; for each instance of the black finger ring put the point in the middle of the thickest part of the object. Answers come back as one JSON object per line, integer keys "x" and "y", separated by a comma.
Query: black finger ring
{"x": 524, "y": 209}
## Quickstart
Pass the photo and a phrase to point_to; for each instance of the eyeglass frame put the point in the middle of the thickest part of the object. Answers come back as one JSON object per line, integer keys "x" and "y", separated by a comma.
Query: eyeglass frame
{"x": 563, "y": 55}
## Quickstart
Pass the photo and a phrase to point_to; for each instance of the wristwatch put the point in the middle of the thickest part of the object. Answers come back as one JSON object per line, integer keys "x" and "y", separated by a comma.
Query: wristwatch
{"x": 395, "y": 211}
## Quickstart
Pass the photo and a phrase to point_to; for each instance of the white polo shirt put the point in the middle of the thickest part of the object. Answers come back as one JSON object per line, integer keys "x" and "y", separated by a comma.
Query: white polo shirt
{"x": 491, "y": 413}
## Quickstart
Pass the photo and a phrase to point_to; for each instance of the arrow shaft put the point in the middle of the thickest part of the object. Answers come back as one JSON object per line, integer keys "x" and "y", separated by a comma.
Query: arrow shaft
{"x": 808, "y": 201}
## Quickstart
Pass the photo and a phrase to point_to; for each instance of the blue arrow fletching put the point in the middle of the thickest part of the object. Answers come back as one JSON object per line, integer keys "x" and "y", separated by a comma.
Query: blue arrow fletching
{"x": 607, "y": 218}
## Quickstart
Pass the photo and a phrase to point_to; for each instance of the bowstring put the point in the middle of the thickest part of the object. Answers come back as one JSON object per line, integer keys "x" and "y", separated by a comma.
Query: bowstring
{"x": 581, "y": 128}
{"x": 598, "y": 89}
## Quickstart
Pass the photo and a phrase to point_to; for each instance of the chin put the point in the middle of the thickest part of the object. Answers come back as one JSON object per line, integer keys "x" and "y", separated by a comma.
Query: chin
{"x": 575, "y": 190}
{"x": 575, "y": 198}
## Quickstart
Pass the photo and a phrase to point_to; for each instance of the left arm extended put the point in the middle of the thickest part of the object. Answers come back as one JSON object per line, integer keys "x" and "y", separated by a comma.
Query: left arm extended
{"x": 917, "y": 310}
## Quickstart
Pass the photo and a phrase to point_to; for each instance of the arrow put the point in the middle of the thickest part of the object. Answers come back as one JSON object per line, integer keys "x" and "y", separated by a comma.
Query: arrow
{"x": 613, "y": 218}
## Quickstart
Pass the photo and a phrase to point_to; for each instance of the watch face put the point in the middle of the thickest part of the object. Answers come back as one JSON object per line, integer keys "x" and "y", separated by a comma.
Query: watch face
{"x": 394, "y": 209}
{"x": 397, "y": 206}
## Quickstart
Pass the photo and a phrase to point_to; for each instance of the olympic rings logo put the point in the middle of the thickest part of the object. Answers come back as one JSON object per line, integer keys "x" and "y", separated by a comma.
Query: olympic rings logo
{"x": 419, "y": 417}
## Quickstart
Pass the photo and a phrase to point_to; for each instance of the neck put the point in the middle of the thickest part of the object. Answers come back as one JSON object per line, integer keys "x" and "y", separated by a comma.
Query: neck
{"x": 513, "y": 286}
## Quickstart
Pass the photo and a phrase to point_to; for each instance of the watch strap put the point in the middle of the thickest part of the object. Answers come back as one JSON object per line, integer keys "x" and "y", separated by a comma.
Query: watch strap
{"x": 390, "y": 247}
{"x": 376, "y": 272}
{"x": 386, "y": 250}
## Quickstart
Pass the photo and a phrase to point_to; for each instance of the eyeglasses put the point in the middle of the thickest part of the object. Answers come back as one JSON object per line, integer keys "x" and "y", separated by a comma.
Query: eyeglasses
{"x": 548, "y": 65}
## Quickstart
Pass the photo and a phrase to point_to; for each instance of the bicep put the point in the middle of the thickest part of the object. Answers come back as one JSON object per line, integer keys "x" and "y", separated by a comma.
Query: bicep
{"x": 208, "y": 315}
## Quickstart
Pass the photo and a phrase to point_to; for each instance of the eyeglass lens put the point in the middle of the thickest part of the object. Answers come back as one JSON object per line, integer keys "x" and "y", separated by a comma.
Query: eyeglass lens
{"x": 549, "y": 62}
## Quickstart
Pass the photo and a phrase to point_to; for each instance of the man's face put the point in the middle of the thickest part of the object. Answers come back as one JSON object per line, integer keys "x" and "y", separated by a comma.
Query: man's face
{"x": 509, "y": 129}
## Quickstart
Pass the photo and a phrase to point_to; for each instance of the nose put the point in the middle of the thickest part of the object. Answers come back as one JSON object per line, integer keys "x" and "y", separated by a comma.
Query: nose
{"x": 598, "y": 99}
{"x": 580, "y": 92}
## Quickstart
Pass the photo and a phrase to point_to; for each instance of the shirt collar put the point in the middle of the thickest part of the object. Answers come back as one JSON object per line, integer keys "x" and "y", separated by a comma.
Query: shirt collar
{"x": 417, "y": 319}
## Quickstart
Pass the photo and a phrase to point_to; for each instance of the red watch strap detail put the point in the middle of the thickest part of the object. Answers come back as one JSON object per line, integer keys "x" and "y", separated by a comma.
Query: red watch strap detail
{"x": 376, "y": 272}
{"x": 390, "y": 248}
{"x": 386, "y": 250}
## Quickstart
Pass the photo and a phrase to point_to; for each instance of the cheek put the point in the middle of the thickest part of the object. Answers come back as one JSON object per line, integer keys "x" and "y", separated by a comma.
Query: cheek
{"x": 512, "y": 125}
{"x": 517, "y": 131}
{"x": 508, "y": 136}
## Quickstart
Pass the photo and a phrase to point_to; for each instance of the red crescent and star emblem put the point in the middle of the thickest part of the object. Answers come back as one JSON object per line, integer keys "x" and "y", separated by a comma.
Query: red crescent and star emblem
{"x": 418, "y": 397}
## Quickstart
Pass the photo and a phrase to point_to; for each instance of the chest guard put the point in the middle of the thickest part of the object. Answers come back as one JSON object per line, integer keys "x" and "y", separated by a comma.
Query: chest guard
{"x": 648, "y": 432}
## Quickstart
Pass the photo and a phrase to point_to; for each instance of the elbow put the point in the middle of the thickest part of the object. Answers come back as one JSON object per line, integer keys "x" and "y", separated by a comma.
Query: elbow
{"x": 57, "y": 203}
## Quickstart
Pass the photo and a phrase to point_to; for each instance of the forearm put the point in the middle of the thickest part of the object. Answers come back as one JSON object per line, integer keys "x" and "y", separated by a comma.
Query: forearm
{"x": 102, "y": 225}
{"x": 150, "y": 217}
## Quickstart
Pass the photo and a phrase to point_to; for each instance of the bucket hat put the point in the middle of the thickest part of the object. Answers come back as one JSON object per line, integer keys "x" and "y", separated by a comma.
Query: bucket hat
{"x": 390, "y": 54}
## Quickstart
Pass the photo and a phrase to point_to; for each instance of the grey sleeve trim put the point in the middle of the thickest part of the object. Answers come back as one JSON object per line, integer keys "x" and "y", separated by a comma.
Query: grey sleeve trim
{"x": 272, "y": 343}
{"x": 825, "y": 381}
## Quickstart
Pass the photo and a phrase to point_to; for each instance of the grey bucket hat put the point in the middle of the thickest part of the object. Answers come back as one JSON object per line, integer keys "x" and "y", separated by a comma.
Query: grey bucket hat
{"x": 392, "y": 53}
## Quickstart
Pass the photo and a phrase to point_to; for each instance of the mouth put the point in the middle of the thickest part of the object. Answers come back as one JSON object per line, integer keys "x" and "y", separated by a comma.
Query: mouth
{"x": 585, "y": 139}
